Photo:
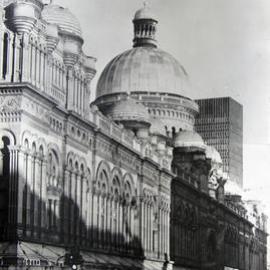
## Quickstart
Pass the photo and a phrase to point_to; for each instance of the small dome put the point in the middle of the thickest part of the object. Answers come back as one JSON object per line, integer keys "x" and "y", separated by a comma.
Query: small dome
{"x": 63, "y": 18}
{"x": 188, "y": 138}
{"x": 213, "y": 154}
{"x": 129, "y": 110}
{"x": 144, "y": 13}
{"x": 143, "y": 69}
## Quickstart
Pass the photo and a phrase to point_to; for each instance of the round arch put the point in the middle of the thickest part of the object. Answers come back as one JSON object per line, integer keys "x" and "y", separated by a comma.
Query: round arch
{"x": 128, "y": 178}
{"x": 103, "y": 174}
{"x": 8, "y": 133}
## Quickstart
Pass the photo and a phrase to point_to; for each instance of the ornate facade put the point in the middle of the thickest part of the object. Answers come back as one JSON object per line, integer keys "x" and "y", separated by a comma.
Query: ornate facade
{"x": 114, "y": 185}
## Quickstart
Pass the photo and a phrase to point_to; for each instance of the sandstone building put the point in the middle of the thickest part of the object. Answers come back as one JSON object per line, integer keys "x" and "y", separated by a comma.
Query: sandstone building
{"x": 125, "y": 183}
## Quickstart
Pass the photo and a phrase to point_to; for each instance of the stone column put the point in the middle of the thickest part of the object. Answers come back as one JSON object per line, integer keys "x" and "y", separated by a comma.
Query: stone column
{"x": 70, "y": 90}
{"x": 9, "y": 57}
{"x": 36, "y": 191}
{"x": 75, "y": 205}
{"x": 162, "y": 234}
{"x": 86, "y": 99}
{"x": 151, "y": 229}
{"x": 25, "y": 58}
{"x": 92, "y": 217}
{"x": 16, "y": 60}
{"x": 117, "y": 224}
{"x": 77, "y": 93}
{"x": 33, "y": 63}
{"x": 65, "y": 212}
{"x": 78, "y": 204}
{"x": 21, "y": 186}
{"x": 13, "y": 180}
{"x": 41, "y": 72}
{"x": 1, "y": 50}
{"x": 144, "y": 235}
{"x": 29, "y": 189}
{"x": 46, "y": 67}
{"x": 38, "y": 65}
{"x": 43, "y": 177}
{"x": 30, "y": 60}
{"x": 120, "y": 225}
{"x": 168, "y": 234}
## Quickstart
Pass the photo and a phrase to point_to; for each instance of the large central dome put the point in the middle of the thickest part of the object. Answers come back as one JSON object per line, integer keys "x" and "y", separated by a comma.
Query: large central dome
{"x": 152, "y": 77}
{"x": 143, "y": 69}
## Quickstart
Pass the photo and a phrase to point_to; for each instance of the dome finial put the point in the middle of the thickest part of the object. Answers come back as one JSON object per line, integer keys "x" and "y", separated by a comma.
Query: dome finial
{"x": 144, "y": 27}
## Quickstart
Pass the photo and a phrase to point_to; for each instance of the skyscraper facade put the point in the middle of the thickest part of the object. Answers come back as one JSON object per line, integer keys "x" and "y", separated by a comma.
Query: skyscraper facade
{"x": 220, "y": 123}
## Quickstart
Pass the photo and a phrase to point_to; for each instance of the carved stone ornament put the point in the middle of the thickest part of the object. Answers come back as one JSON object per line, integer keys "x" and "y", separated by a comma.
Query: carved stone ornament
{"x": 36, "y": 110}
{"x": 10, "y": 103}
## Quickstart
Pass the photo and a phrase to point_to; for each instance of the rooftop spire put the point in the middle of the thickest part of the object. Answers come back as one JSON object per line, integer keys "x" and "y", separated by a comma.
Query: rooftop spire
{"x": 144, "y": 27}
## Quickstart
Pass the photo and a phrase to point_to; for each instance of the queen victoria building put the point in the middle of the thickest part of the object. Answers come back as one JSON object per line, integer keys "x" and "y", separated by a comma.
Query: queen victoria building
{"x": 122, "y": 184}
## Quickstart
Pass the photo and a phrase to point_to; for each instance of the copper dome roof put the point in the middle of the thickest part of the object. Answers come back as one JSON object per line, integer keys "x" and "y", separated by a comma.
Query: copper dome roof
{"x": 63, "y": 18}
{"x": 143, "y": 69}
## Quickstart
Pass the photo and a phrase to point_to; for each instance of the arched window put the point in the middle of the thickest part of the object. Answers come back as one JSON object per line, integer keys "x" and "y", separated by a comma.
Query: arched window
{"x": 4, "y": 166}
{"x": 41, "y": 151}
{"x": 34, "y": 148}
{"x": 115, "y": 210}
{"x": 53, "y": 175}
{"x": 102, "y": 213}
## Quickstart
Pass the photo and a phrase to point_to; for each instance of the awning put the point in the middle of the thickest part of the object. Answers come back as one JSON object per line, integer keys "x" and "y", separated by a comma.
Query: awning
{"x": 53, "y": 255}
{"x": 91, "y": 258}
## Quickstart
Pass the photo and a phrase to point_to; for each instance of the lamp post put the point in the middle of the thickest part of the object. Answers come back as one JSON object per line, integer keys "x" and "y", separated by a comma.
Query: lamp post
{"x": 73, "y": 259}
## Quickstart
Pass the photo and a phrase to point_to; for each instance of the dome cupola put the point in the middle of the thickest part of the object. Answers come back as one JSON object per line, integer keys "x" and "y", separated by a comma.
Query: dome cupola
{"x": 67, "y": 23}
{"x": 52, "y": 37}
{"x": 21, "y": 15}
{"x": 144, "y": 27}
{"x": 130, "y": 113}
{"x": 145, "y": 68}
{"x": 69, "y": 30}
{"x": 188, "y": 139}
{"x": 151, "y": 76}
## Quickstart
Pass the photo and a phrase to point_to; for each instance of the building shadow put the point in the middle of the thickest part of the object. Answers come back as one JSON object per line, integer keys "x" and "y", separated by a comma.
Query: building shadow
{"x": 90, "y": 246}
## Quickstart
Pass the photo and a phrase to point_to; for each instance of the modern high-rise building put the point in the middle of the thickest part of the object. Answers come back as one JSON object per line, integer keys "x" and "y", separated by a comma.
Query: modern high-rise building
{"x": 220, "y": 123}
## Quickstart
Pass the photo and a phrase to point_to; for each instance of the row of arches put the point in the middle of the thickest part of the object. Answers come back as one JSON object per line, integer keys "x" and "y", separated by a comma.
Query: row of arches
{"x": 65, "y": 199}
{"x": 145, "y": 30}
{"x": 184, "y": 229}
{"x": 113, "y": 182}
{"x": 170, "y": 113}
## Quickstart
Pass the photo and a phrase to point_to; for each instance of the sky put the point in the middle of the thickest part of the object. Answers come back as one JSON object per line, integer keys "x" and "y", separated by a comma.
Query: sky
{"x": 225, "y": 47}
